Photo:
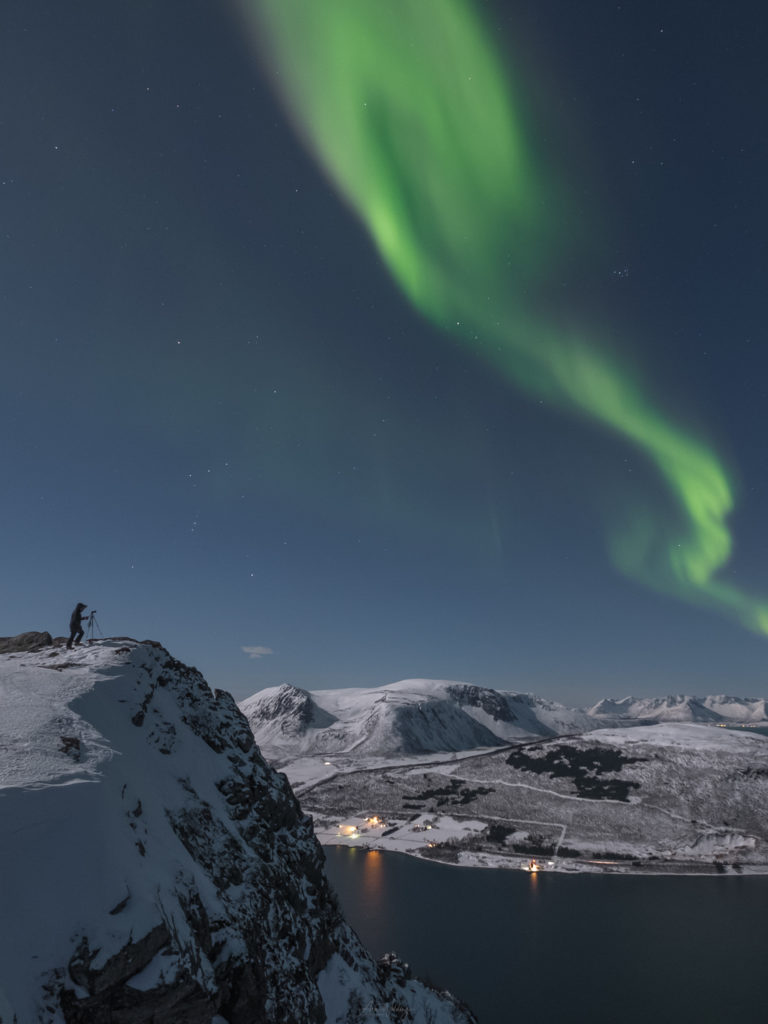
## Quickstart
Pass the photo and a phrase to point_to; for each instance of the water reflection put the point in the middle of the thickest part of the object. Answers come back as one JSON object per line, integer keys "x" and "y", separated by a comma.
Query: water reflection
{"x": 368, "y": 869}
{"x": 373, "y": 881}
{"x": 623, "y": 949}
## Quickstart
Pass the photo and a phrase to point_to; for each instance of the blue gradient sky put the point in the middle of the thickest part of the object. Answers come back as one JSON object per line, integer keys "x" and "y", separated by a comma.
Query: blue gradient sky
{"x": 224, "y": 427}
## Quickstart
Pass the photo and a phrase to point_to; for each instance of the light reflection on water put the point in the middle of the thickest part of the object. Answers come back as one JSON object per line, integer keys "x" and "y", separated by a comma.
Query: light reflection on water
{"x": 373, "y": 881}
{"x": 372, "y": 905}
{"x": 597, "y": 948}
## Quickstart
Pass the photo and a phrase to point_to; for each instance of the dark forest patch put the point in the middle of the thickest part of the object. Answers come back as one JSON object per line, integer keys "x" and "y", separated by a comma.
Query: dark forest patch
{"x": 453, "y": 795}
{"x": 582, "y": 765}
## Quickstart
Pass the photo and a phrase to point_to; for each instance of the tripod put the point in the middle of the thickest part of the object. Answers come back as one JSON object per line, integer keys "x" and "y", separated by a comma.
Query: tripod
{"x": 93, "y": 628}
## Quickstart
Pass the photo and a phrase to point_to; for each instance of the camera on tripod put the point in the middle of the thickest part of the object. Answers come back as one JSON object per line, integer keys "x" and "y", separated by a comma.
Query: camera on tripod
{"x": 94, "y": 629}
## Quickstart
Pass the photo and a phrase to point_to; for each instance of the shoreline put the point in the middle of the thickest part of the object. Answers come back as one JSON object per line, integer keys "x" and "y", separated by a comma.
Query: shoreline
{"x": 569, "y": 865}
{"x": 420, "y": 840}
{"x": 533, "y": 819}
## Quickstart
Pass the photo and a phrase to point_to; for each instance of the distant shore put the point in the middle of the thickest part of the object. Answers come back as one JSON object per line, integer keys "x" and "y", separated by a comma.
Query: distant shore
{"x": 442, "y": 845}
{"x": 566, "y": 865}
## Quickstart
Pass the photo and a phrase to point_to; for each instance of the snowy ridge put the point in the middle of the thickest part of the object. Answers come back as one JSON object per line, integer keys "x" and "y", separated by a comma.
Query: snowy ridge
{"x": 176, "y": 875}
{"x": 708, "y": 710}
{"x": 423, "y": 716}
{"x": 413, "y": 716}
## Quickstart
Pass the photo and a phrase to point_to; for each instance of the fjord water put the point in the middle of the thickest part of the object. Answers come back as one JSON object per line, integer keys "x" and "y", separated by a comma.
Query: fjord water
{"x": 602, "y": 949}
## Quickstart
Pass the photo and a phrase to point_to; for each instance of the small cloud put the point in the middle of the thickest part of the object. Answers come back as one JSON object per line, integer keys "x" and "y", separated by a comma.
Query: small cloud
{"x": 257, "y": 652}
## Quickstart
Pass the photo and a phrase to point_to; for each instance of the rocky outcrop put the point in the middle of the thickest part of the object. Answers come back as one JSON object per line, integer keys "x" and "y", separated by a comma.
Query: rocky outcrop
{"x": 25, "y": 642}
{"x": 490, "y": 701}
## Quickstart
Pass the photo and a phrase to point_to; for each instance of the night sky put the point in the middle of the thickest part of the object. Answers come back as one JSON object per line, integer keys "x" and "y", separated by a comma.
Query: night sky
{"x": 228, "y": 428}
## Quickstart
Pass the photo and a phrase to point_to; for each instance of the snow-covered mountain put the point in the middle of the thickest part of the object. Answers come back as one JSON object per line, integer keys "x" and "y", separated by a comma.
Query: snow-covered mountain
{"x": 423, "y": 716}
{"x": 156, "y": 869}
{"x": 415, "y": 716}
{"x": 515, "y": 716}
{"x": 706, "y": 710}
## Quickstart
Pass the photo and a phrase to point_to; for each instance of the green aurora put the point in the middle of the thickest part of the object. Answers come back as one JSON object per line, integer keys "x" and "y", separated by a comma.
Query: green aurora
{"x": 408, "y": 109}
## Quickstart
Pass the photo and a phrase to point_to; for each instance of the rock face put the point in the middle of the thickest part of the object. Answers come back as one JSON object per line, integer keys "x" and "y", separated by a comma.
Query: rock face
{"x": 161, "y": 871}
{"x": 24, "y": 642}
{"x": 490, "y": 701}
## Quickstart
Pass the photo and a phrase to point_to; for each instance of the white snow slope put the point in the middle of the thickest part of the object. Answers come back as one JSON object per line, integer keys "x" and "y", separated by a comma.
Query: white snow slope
{"x": 414, "y": 716}
{"x": 423, "y": 716}
{"x": 147, "y": 852}
{"x": 714, "y": 710}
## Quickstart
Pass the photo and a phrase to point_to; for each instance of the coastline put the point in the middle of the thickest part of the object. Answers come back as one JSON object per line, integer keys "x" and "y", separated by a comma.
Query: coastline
{"x": 669, "y": 800}
{"x": 441, "y": 843}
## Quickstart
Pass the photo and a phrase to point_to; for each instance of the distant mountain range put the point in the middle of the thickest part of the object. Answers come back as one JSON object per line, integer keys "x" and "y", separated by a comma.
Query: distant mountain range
{"x": 422, "y": 716}
{"x": 719, "y": 710}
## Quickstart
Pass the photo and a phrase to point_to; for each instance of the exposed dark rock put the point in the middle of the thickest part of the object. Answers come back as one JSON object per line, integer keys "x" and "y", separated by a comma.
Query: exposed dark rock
{"x": 131, "y": 959}
{"x": 71, "y": 745}
{"x": 490, "y": 701}
{"x": 120, "y": 906}
{"x": 25, "y": 642}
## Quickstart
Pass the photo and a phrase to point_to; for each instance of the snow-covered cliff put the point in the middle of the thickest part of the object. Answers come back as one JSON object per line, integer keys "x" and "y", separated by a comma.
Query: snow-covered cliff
{"x": 154, "y": 868}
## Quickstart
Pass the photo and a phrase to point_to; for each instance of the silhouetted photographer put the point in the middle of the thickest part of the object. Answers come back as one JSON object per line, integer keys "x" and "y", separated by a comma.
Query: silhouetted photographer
{"x": 76, "y": 630}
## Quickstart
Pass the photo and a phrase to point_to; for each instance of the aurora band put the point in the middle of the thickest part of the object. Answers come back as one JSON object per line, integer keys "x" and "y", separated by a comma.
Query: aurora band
{"x": 406, "y": 107}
